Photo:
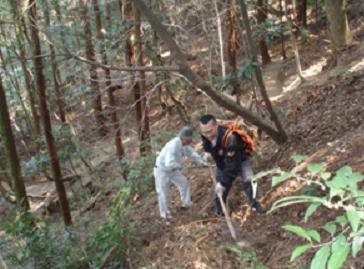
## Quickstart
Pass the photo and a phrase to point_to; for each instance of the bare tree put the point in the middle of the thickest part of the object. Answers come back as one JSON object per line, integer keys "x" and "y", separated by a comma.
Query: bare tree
{"x": 261, "y": 18}
{"x": 114, "y": 111}
{"x": 90, "y": 55}
{"x": 56, "y": 74}
{"x": 198, "y": 82}
{"x": 338, "y": 23}
{"x": 44, "y": 113}
{"x": 11, "y": 153}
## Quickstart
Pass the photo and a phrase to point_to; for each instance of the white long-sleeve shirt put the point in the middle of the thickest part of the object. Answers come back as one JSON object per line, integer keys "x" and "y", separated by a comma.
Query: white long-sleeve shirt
{"x": 170, "y": 158}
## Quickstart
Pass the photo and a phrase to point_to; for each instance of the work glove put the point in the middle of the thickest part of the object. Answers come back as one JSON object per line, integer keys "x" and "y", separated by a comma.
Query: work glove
{"x": 206, "y": 157}
{"x": 219, "y": 189}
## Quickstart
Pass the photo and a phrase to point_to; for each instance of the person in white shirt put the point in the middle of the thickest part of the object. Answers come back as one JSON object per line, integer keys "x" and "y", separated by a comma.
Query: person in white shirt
{"x": 168, "y": 168}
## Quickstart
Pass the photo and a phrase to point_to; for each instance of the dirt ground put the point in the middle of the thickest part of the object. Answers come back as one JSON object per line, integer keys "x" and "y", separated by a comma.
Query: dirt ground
{"x": 323, "y": 113}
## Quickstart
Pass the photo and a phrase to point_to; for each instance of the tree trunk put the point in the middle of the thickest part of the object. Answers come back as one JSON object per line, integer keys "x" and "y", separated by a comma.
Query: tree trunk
{"x": 198, "y": 82}
{"x": 281, "y": 13}
{"x": 110, "y": 94}
{"x": 44, "y": 113}
{"x": 258, "y": 72}
{"x": 15, "y": 86}
{"x": 219, "y": 31}
{"x": 11, "y": 153}
{"x": 294, "y": 42}
{"x": 232, "y": 46}
{"x": 261, "y": 17}
{"x": 21, "y": 37}
{"x": 90, "y": 55}
{"x": 140, "y": 90}
{"x": 302, "y": 12}
{"x": 338, "y": 23}
{"x": 55, "y": 71}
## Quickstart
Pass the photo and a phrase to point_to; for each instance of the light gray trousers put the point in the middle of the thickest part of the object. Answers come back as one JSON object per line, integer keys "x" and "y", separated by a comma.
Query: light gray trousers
{"x": 163, "y": 181}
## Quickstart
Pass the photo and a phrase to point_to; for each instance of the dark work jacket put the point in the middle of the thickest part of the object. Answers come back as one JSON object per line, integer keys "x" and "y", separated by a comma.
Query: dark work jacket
{"x": 228, "y": 159}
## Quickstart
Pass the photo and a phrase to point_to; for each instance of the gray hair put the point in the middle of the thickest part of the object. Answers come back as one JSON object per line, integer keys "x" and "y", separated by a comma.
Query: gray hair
{"x": 186, "y": 133}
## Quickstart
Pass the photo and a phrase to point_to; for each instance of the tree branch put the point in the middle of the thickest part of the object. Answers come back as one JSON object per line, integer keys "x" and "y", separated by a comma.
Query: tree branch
{"x": 200, "y": 83}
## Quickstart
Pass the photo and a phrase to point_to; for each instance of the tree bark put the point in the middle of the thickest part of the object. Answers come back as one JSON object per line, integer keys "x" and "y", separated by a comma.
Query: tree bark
{"x": 294, "y": 42}
{"x": 258, "y": 72}
{"x": 281, "y": 13}
{"x": 198, "y": 82}
{"x": 219, "y": 31}
{"x": 56, "y": 74}
{"x": 140, "y": 90}
{"x": 261, "y": 17}
{"x": 232, "y": 46}
{"x": 20, "y": 40}
{"x": 46, "y": 120}
{"x": 338, "y": 23}
{"x": 302, "y": 12}
{"x": 90, "y": 55}
{"x": 114, "y": 111}
{"x": 11, "y": 153}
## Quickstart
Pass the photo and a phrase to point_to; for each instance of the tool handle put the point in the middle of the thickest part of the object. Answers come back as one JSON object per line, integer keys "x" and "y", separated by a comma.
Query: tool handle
{"x": 227, "y": 217}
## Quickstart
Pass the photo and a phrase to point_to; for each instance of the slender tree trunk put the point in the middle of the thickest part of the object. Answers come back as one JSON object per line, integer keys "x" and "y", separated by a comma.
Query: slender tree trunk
{"x": 46, "y": 120}
{"x": 258, "y": 72}
{"x": 232, "y": 46}
{"x": 221, "y": 42}
{"x": 338, "y": 23}
{"x": 141, "y": 90}
{"x": 261, "y": 17}
{"x": 180, "y": 59}
{"x": 55, "y": 71}
{"x": 16, "y": 87}
{"x": 294, "y": 42}
{"x": 110, "y": 94}
{"x": 11, "y": 153}
{"x": 30, "y": 89}
{"x": 281, "y": 13}
{"x": 90, "y": 55}
{"x": 302, "y": 12}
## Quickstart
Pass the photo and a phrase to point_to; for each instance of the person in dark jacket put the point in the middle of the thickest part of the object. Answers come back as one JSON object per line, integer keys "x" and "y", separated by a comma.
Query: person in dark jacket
{"x": 231, "y": 160}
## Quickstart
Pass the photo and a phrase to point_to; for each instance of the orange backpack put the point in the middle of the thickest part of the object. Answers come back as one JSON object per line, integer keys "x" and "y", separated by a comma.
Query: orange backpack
{"x": 247, "y": 139}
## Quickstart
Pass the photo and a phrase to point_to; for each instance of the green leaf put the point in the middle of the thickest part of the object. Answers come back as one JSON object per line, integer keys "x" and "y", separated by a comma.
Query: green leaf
{"x": 310, "y": 210}
{"x": 314, "y": 235}
{"x": 299, "y": 158}
{"x": 344, "y": 171}
{"x": 330, "y": 228}
{"x": 320, "y": 258}
{"x": 354, "y": 219}
{"x": 315, "y": 168}
{"x": 357, "y": 245}
{"x": 325, "y": 175}
{"x": 338, "y": 243}
{"x": 299, "y": 251}
{"x": 298, "y": 231}
{"x": 342, "y": 221}
{"x": 340, "y": 252}
{"x": 335, "y": 191}
{"x": 283, "y": 177}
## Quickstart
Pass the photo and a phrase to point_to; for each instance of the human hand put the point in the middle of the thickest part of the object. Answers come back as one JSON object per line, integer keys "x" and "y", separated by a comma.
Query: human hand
{"x": 219, "y": 188}
{"x": 206, "y": 157}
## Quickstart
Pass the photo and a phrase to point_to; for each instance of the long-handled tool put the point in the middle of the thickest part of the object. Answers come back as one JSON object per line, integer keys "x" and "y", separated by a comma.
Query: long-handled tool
{"x": 227, "y": 217}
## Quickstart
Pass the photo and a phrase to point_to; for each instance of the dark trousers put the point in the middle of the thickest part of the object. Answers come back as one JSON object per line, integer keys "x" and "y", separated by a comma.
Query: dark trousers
{"x": 246, "y": 175}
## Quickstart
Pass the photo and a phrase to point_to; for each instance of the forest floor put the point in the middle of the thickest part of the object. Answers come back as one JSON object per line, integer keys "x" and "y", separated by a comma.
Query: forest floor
{"x": 325, "y": 112}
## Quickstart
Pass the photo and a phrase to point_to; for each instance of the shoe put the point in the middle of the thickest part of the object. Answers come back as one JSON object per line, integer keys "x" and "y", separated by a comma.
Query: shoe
{"x": 219, "y": 213}
{"x": 185, "y": 206}
{"x": 256, "y": 207}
